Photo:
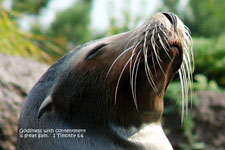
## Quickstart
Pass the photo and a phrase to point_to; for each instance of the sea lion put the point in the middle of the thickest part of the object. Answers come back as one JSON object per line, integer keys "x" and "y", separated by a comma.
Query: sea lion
{"x": 110, "y": 90}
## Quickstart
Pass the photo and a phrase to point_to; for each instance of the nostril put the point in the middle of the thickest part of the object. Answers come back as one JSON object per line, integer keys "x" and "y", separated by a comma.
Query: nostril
{"x": 169, "y": 17}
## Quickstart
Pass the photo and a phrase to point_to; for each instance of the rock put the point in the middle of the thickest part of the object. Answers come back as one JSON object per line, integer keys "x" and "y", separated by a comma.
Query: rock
{"x": 209, "y": 119}
{"x": 209, "y": 123}
{"x": 17, "y": 77}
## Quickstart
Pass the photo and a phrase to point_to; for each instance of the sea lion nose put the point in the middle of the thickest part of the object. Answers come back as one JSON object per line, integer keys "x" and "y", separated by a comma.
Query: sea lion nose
{"x": 172, "y": 18}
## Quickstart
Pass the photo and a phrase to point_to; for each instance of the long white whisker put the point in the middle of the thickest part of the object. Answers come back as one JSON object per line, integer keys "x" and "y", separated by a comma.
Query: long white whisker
{"x": 121, "y": 76}
{"x": 148, "y": 72}
{"x": 163, "y": 32}
{"x": 135, "y": 82}
{"x": 147, "y": 69}
{"x": 182, "y": 89}
{"x": 153, "y": 62}
{"x": 131, "y": 73}
{"x": 118, "y": 58}
{"x": 156, "y": 55}
{"x": 131, "y": 41}
{"x": 133, "y": 85}
{"x": 164, "y": 47}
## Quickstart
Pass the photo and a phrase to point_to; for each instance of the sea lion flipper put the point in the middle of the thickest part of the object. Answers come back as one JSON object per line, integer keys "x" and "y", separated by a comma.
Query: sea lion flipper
{"x": 44, "y": 106}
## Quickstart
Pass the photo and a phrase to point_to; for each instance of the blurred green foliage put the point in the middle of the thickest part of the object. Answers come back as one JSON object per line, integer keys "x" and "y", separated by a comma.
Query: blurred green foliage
{"x": 115, "y": 25}
{"x": 127, "y": 21}
{"x": 193, "y": 142}
{"x": 29, "y": 6}
{"x": 202, "y": 83}
{"x": 208, "y": 17}
{"x": 72, "y": 26}
{"x": 170, "y": 6}
{"x": 210, "y": 58}
{"x": 203, "y": 17}
{"x": 15, "y": 41}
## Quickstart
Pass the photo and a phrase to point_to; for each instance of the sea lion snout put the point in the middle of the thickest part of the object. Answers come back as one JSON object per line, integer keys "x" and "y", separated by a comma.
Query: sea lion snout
{"x": 148, "y": 58}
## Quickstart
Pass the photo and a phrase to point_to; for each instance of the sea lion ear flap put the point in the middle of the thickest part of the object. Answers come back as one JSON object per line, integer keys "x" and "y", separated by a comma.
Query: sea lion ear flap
{"x": 46, "y": 104}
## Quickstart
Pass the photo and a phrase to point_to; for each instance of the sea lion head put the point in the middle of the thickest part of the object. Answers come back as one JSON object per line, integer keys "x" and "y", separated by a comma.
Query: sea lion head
{"x": 123, "y": 78}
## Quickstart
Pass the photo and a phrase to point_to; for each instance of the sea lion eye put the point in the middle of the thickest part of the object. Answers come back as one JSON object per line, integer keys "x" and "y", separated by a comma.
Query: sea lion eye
{"x": 95, "y": 50}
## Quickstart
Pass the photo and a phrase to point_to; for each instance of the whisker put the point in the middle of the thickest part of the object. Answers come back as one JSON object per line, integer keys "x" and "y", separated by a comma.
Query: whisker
{"x": 164, "y": 47}
{"x": 133, "y": 85}
{"x": 131, "y": 41}
{"x": 182, "y": 89}
{"x": 153, "y": 62}
{"x": 164, "y": 33}
{"x": 131, "y": 74}
{"x": 135, "y": 82}
{"x": 117, "y": 59}
{"x": 118, "y": 81}
{"x": 148, "y": 72}
{"x": 156, "y": 55}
